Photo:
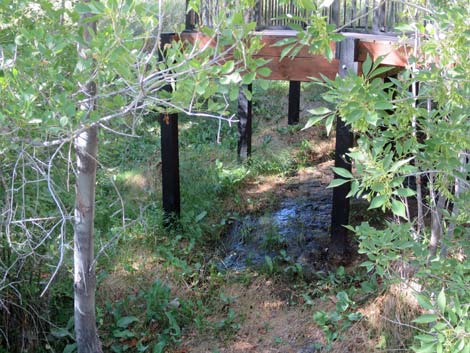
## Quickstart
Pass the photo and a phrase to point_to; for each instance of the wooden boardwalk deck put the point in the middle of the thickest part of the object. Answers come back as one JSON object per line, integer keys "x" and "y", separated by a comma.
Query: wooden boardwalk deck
{"x": 305, "y": 64}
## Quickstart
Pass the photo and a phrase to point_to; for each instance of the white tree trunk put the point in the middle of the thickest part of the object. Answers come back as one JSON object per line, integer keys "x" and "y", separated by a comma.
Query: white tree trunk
{"x": 86, "y": 145}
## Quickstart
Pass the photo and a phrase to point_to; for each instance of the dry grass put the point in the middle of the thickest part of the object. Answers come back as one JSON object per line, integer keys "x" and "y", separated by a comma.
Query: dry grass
{"x": 385, "y": 324}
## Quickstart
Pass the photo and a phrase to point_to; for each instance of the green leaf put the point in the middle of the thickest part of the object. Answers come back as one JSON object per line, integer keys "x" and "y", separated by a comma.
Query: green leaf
{"x": 380, "y": 71}
{"x": 426, "y": 338}
{"x": 398, "y": 208}
{"x": 337, "y": 182}
{"x": 378, "y": 201}
{"x": 269, "y": 263}
{"x": 248, "y": 78}
{"x": 286, "y": 51}
{"x": 404, "y": 192}
{"x": 70, "y": 348}
{"x": 312, "y": 121}
{"x": 343, "y": 172}
{"x": 426, "y": 319}
{"x": 426, "y": 348}
{"x": 82, "y": 8}
{"x": 384, "y": 105}
{"x": 227, "y": 67}
{"x": 319, "y": 111}
{"x": 264, "y": 71}
{"x": 441, "y": 301}
{"x": 398, "y": 164}
{"x": 424, "y": 302}
{"x": 329, "y": 123}
{"x": 60, "y": 332}
{"x": 367, "y": 65}
{"x": 125, "y": 321}
{"x": 159, "y": 347}
{"x": 200, "y": 216}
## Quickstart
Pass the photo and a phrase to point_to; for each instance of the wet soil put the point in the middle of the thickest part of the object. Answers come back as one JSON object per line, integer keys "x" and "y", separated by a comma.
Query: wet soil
{"x": 295, "y": 231}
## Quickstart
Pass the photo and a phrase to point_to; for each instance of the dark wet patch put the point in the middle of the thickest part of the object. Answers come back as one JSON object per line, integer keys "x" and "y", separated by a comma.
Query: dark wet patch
{"x": 294, "y": 232}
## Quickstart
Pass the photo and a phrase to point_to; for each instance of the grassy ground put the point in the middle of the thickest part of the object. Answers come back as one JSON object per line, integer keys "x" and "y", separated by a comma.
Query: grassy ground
{"x": 161, "y": 290}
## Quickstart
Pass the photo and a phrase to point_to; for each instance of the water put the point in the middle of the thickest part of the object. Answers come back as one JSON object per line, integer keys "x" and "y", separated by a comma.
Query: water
{"x": 294, "y": 232}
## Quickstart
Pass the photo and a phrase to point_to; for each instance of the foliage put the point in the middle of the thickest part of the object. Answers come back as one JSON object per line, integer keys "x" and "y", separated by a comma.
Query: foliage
{"x": 411, "y": 142}
{"x": 42, "y": 110}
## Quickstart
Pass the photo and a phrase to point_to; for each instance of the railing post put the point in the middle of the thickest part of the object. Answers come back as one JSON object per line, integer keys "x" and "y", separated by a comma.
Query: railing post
{"x": 170, "y": 156}
{"x": 378, "y": 21}
{"x": 335, "y": 13}
{"x": 294, "y": 103}
{"x": 244, "y": 124}
{"x": 346, "y": 52}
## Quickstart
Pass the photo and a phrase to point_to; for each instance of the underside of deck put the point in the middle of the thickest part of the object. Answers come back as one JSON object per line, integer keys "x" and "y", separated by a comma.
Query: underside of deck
{"x": 305, "y": 65}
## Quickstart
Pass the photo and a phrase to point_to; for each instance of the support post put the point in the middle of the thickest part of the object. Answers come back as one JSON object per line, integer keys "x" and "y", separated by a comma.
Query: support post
{"x": 191, "y": 19}
{"x": 170, "y": 156}
{"x": 346, "y": 52}
{"x": 294, "y": 103}
{"x": 170, "y": 167}
{"x": 244, "y": 123}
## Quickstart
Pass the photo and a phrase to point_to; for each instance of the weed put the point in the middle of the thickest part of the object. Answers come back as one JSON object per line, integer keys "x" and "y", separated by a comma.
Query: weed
{"x": 272, "y": 240}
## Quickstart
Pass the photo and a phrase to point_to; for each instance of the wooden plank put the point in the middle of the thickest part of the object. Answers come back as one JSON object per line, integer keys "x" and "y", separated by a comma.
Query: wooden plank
{"x": 294, "y": 103}
{"x": 245, "y": 122}
{"x": 393, "y": 55}
{"x": 300, "y": 69}
{"x": 347, "y": 55}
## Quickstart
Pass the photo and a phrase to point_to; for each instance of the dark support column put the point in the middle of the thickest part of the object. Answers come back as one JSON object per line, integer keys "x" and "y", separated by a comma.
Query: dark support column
{"x": 170, "y": 156}
{"x": 191, "y": 19}
{"x": 170, "y": 167}
{"x": 294, "y": 103}
{"x": 244, "y": 124}
{"x": 347, "y": 54}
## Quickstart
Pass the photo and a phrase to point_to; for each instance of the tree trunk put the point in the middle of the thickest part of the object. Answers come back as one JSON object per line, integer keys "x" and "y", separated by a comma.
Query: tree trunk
{"x": 86, "y": 147}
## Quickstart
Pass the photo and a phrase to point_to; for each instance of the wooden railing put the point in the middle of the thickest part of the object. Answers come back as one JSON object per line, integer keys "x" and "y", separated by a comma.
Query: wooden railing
{"x": 370, "y": 16}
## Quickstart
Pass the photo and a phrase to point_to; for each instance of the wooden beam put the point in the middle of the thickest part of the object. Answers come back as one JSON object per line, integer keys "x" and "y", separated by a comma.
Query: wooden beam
{"x": 347, "y": 55}
{"x": 305, "y": 64}
{"x": 244, "y": 123}
{"x": 294, "y": 103}
{"x": 300, "y": 69}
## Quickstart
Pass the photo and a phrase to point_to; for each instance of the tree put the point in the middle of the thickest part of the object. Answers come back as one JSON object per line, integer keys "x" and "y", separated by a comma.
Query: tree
{"x": 405, "y": 137}
{"x": 86, "y": 147}
{"x": 47, "y": 121}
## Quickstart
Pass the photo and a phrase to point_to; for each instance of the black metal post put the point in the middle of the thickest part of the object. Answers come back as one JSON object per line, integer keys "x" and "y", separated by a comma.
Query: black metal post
{"x": 347, "y": 54}
{"x": 170, "y": 167}
{"x": 170, "y": 155}
{"x": 294, "y": 103}
{"x": 191, "y": 19}
{"x": 244, "y": 124}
